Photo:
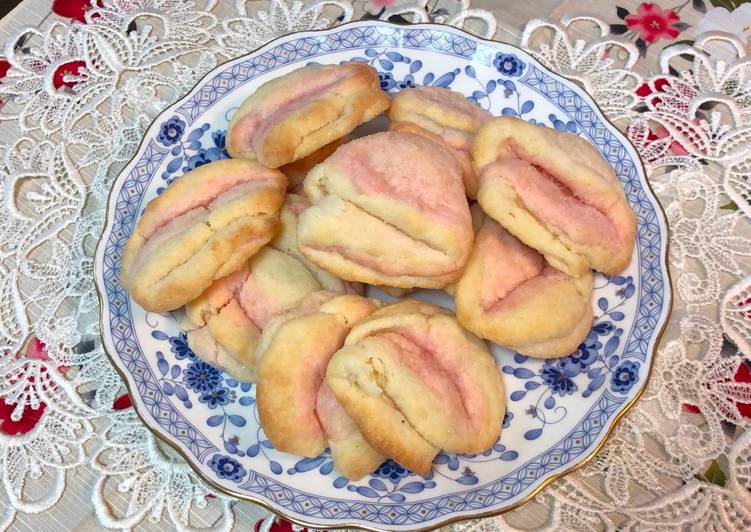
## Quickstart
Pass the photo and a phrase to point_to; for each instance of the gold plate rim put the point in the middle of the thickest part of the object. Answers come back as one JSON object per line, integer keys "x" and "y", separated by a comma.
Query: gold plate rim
{"x": 355, "y": 525}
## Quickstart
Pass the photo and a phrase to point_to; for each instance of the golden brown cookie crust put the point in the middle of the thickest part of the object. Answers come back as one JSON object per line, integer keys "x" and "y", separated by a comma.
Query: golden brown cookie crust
{"x": 443, "y": 116}
{"x": 352, "y": 97}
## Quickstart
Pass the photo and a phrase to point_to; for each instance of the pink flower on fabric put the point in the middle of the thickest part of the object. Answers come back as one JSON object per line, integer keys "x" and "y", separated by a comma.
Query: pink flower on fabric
{"x": 374, "y": 7}
{"x": 652, "y": 23}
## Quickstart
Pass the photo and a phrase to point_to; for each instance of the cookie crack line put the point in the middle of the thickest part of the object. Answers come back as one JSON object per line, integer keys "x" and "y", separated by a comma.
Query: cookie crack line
{"x": 400, "y": 230}
{"x": 209, "y": 237}
{"x": 554, "y": 230}
{"x": 209, "y": 203}
{"x": 500, "y": 300}
{"x": 518, "y": 153}
{"x": 301, "y": 138}
{"x": 343, "y": 111}
{"x": 381, "y": 375}
{"x": 405, "y": 276}
{"x": 382, "y": 371}
{"x": 236, "y": 297}
{"x": 437, "y": 362}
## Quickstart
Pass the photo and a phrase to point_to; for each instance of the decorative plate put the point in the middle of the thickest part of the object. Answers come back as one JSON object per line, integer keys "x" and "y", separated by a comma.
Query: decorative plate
{"x": 559, "y": 411}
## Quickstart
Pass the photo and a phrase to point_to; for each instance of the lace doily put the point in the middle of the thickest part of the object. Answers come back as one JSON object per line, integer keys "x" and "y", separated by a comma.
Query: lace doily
{"x": 77, "y": 96}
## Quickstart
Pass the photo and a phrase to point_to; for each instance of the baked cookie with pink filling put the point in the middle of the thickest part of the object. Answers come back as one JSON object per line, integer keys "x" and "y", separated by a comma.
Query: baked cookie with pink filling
{"x": 388, "y": 209}
{"x": 225, "y": 322}
{"x": 555, "y": 193}
{"x": 290, "y": 117}
{"x": 510, "y": 295}
{"x": 203, "y": 227}
{"x": 297, "y": 410}
{"x": 415, "y": 382}
{"x": 443, "y": 116}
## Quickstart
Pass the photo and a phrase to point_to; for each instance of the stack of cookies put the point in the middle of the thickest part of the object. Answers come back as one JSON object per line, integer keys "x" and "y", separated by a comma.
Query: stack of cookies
{"x": 269, "y": 255}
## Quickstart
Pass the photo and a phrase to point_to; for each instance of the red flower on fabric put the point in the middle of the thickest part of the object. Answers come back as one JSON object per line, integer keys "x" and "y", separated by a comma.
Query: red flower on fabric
{"x": 382, "y": 3}
{"x": 644, "y": 90}
{"x": 279, "y": 525}
{"x": 67, "y": 69}
{"x": 36, "y": 350}
{"x": 122, "y": 402}
{"x": 28, "y": 421}
{"x": 652, "y": 23}
{"x": 742, "y": 374}
{"x": 746, "y": 303}
{"x": 4, "y": 67}
{"x": 73, "y": 9}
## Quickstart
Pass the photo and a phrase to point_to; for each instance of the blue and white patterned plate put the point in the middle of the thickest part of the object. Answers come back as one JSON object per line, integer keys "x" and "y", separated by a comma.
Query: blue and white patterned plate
{"x": 559, "y": 411}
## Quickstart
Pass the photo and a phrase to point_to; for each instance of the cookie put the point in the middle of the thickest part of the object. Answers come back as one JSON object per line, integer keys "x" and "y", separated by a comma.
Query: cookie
{"x": 555, "y": 193}
{"x": 444, "y": 116}
{"x": 297, "y": 411}
{"x": 290, "y": 117}
{"x": 510, "y": 295}
{"x": 224, "y": 323}
{"x": 388, "y": 209}
{"x": 414, "y": 382}
{"x": 204, "y": 226}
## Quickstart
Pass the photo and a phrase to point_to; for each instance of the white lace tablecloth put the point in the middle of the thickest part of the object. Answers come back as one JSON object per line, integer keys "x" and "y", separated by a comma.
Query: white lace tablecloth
{"x": 76, "y": 96}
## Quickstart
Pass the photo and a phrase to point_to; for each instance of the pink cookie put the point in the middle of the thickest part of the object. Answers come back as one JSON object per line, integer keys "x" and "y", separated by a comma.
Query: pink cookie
{"x": 293, "y": 115}
{"x": 201, "y": 228}
{"x": 388, "y": 209}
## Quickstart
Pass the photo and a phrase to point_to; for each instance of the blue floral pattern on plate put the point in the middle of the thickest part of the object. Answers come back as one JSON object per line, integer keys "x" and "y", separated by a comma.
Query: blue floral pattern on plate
{"x": 558, "y": 411}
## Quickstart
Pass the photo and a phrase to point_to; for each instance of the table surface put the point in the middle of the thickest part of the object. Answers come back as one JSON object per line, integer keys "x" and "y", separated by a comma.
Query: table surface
{"x": 75, "y": 510}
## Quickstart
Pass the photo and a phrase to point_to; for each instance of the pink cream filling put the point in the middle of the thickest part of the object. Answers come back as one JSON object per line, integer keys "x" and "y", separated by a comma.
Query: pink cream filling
{"x": 258, "y": 304}
{"x": 313, "y": 369}
{"x": 208, "y": 195}
{"x": 511, "y": 270}
{"x": 459, "y": 140}
{"x": 424, "y": 353}
{"x": 166, "y": 232}
{"x": 336, "y": 423}
{"x": 240, "y": 289}
{"x": 507, "y": 264}
{"x": 552, "y": 202}
{"x": 383, "y": 165}
{"x": 253, "y": 126}
{"x": 528, "y": 289}
{"x": 223, "y": 291}
{"x": 230, "y": 195}
{"x": 310, "y": 372}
